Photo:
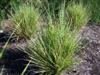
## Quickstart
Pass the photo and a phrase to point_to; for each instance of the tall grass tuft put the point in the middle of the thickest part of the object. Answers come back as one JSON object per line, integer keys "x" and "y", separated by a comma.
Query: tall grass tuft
{"x": 28, "y": 18}
{"x": 78, "y": 14}
{"x": 54, "y": 49}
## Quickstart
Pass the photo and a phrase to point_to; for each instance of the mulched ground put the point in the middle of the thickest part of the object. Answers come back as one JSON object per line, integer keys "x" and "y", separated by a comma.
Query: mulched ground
{"x": 89, "y": 55}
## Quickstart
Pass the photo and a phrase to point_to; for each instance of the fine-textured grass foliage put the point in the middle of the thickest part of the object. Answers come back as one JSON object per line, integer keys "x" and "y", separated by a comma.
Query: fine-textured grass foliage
{"x": 94, "y": 7}
{"x": 95, "y": 10}
{"x": 28, "y": 18}
{"x": 78, "y": 14}
{"x": 51, "y": 6}
{"x": 53, "y": 51}
{"x": 54, "y": 48}
{"x": 6, "y": 7}
{"x": 1, "y": 17}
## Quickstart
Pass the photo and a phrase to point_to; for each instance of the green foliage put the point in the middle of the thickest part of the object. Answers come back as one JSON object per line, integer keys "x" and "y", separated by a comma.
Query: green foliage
{"x": 53, "y": 50}
{"x": 78, "y": 15}
{"x": 1, "y": 16}
{"x": 94, "y": 7}
{"x": 27, "y": 18}
{"x": 3, "y": 8}
{"x": 51, "y": 6}
{"x": 6, "y": 6}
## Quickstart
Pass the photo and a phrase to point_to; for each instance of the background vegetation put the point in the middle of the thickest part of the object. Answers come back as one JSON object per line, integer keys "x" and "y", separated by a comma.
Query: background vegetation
{"x": 53, "y": 5}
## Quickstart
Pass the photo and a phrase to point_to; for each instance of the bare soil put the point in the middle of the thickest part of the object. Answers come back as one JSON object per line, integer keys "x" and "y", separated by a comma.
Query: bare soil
{"x": 89, "y": 55}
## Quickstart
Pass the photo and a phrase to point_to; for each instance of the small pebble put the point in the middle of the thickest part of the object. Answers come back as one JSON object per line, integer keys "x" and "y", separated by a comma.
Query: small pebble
{"x": 1, "y": 31}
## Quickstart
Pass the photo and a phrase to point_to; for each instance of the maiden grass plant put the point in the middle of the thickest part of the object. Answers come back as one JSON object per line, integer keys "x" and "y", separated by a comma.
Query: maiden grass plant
{"x": 78, "y": 14}
{"x": 54, "y": 49}
{"x": 28, "y": 18}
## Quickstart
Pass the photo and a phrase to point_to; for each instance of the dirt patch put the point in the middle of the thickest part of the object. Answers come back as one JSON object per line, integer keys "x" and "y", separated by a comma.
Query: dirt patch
{"x": 90, "y": 53}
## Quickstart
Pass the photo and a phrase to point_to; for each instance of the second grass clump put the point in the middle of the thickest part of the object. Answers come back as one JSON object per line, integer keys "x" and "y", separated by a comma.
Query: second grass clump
{"x": 26, "y": 17}
{"x": 78, "y": 14}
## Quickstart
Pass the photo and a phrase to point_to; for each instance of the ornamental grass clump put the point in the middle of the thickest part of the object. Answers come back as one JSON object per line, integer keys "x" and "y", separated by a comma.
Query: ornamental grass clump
{"x": 27, "y": 18}
{"x": 53, "y": 50}
{"x": 78, "y": 14}
{"x": 94, "y": 7}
